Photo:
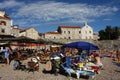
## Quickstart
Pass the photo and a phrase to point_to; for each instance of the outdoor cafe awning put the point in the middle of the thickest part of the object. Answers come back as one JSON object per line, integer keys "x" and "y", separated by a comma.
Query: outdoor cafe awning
{"x": 18, "y": 39}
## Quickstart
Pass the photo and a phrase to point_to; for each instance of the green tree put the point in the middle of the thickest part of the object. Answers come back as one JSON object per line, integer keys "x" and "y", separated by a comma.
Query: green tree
{"x": 108, "y": 32}
{"x": 115, "y": 33}
{"x": 102, "y": 35}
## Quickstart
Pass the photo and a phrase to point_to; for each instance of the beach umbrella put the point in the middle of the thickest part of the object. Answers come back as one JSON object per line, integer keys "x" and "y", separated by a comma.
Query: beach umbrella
{"x": 81, "y": 45}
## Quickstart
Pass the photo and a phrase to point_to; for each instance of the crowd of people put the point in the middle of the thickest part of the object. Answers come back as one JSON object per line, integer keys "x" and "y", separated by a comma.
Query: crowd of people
{"x": 74, "y": 58}
{"x": 79, "y": 60}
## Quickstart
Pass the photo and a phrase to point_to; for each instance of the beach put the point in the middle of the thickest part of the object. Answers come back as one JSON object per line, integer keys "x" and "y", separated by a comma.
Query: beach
{"x": 110, "y": 72}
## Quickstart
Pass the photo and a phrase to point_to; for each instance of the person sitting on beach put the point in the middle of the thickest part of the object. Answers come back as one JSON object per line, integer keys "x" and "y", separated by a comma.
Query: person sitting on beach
{"x": 36, "y": 59}
{"x": 66, "y": 60}
{"x": 16, "y": 64}
{"x": 118, "y": 56}
{"x": 97, "y": 60}
{"x": 55, "y": 61}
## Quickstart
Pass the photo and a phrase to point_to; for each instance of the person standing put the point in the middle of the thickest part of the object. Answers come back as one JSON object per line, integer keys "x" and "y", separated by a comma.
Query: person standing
{"x": 7, "y": 52}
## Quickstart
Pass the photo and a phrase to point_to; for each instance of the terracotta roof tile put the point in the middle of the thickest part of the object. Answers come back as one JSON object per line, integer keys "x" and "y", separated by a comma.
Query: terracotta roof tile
{"x": 5, "y": 17}
{"x": 52, "y": 33}
{"x": 69, "y": 26}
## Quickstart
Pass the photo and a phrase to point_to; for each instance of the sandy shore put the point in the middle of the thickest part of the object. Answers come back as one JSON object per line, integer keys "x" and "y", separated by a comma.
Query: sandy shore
{"x": 111, "y": 72}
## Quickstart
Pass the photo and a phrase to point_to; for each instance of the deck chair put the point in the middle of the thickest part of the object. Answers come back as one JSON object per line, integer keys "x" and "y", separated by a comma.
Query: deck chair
{"x": 78, "y": 73}
{"x": 66, "y": 66}
{"x": 68, "y": 69}
{"x": 90, "y": 74}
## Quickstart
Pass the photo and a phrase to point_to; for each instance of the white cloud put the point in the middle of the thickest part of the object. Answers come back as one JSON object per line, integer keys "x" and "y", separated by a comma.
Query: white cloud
{"x": 10, "y": 4}
{"x": 108, "y": 19}
{"x": 59, "y": 12}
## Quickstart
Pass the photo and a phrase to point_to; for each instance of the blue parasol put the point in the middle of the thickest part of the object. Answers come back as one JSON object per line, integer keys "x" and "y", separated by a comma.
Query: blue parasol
{"x": 81, "y": 45}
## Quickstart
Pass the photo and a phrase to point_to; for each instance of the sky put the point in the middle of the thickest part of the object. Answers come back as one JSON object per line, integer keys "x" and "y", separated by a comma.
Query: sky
{"x": 47, "y": 15}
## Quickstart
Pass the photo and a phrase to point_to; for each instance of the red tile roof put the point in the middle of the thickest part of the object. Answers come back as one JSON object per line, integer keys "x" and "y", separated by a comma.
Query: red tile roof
{"x": 52, "y": 33}
{"x": 18, "y": 28}
{"x": 5, "y": 17}
{"x": 69, "y": 26}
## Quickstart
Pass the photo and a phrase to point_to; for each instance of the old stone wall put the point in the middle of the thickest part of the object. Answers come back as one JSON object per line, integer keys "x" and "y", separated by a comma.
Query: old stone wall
{"x": 103, "y": 44}
{"x": 108, "y": 44}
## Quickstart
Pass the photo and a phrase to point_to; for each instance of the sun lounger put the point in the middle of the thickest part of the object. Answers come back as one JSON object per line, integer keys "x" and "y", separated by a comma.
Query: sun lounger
{"x": 87, "y": 73}
{"x": 68, "y": 69}
{"x": 78, "y": 73}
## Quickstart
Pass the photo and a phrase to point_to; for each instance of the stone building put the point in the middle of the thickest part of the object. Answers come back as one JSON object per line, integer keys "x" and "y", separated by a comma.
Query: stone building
{"x": 5, "y": 23}
{"x": 15, "y": 30}
{"x": 72, "y": 33}
{"x": 52, "y": 35}
{"x": 96, "y": 37}
{"x": 30, "y": 32}
{"x": 86, "y": 32}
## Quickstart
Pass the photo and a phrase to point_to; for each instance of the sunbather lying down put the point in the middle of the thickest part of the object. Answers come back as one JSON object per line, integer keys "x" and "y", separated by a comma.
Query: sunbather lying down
{"x": 96, "y": 60}
{"x": 78, "y": 73}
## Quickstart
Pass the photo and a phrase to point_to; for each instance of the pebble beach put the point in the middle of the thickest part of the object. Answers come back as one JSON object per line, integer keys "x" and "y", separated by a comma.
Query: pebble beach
{"x": 110, "y": 72}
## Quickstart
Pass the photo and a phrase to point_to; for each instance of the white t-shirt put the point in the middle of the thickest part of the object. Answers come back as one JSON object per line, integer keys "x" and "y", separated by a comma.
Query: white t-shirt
{"x": 34, "y": 60}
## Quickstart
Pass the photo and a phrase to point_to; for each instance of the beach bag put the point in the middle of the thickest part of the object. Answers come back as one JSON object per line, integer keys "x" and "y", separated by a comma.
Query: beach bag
{"x": 48, "y": 66}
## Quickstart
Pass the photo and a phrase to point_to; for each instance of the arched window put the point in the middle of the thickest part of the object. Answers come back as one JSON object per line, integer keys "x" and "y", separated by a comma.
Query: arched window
{"x": 3, "y": 23}
{"x": 90, "y": 31}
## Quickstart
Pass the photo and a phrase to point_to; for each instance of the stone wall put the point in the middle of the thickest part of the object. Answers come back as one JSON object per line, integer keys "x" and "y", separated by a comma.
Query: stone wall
{"x": 108, "y": 44}
{"x": 103, "y": 44}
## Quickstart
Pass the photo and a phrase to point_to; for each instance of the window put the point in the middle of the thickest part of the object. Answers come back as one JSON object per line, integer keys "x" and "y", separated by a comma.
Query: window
{"x": 69, "y": 37}
{"x": 64, "y": 31}
{"x": 68, "y": 32}
{"x": 3, "y": 23}
{"x": 89, "y": 31}
{"x": 3, "y": 30}
{"x": 30, "y": 34}
{"x": 90, "y": 37}
{"x": 54, "y": 37}
{"x": 79, "y": 32}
